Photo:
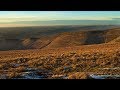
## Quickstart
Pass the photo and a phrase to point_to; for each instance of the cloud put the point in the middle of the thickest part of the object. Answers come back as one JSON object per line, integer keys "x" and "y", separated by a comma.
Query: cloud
{"x": 16, "y": 25}
{"x": 47, "y": 18}
{"x": 45, "y": 15}
{"x": 31, "y": 16}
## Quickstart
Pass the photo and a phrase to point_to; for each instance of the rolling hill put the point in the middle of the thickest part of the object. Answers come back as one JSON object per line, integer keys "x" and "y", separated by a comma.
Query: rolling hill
{"x": 75, "y": 54}
{"x": 22, "y": 38}
{"x": 70, "y": 39}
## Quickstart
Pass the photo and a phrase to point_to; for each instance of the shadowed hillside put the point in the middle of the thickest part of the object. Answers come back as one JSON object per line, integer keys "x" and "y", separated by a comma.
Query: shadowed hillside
{"x": 95, "y": 37}
{"x": 85, "y": 38}
{"x": 22, "y": 38}
{"x": 68, "y": 39}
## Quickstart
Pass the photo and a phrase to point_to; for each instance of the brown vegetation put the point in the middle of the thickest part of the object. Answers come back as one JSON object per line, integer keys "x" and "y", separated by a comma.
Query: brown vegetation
{"x": 63, "y": 61}
{"x": 68, "y": 55}
{"x": 54, "y": 37}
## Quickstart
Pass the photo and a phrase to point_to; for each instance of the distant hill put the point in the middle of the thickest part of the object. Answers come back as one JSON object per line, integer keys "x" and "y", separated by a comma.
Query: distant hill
{"x": 71, "y": 22}
{"x": 69, "y": 39}
{"x": 55, "y": 36}
{"x": 85, "y": 38}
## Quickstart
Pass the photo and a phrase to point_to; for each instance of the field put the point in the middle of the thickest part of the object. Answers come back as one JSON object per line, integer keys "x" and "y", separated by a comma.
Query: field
{"x": 75, "y": 52}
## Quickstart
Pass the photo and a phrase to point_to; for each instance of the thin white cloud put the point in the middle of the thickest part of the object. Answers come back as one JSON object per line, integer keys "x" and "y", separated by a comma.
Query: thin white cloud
{"x": 16, "y": 25}
{"x": 46, "y": 18}
{"x": 48, "y": 15}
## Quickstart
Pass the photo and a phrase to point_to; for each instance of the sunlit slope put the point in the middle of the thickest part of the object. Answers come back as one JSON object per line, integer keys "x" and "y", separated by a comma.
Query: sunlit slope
{"x": 23, "y": 38}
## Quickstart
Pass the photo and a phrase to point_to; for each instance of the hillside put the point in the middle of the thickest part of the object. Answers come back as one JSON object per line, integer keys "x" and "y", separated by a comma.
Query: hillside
{"x": 116, "y": 40}
{"x": 69, "y": 62}
{"x": 69, "y": 39}
{"x": 58, "y": 53}
{"x": 112, "y": 34}
{"x": 22, "y": 38}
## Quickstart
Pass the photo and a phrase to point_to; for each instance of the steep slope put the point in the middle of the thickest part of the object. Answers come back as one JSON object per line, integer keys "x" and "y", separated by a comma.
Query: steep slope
{"x": 25, "y": 43}
{"x": 55, "y": 36}
{"x": 117, "y": 40}
{"x": 42, "y": 42}
{"x": 68, "y": 39}
{"x": 77, "y": 38}
{"x": 95, "y": 37}
{"x": 112, "y": 34}
{"x": 83, "y": 37}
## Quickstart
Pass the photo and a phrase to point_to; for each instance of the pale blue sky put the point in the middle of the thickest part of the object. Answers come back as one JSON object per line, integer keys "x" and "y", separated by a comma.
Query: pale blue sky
{"x": 8, "y": 17}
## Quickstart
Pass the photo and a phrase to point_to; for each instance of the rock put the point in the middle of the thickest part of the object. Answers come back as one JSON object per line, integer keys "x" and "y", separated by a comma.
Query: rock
{"x": 59, "y": 77}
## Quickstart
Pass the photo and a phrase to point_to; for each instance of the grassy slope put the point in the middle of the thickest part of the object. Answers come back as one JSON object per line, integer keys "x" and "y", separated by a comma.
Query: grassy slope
{"x": 63, "y": 60}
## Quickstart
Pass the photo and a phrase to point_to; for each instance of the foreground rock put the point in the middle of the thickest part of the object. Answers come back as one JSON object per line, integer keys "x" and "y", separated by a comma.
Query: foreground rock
{"x": 95, "y": 76}
{"x": 32, "y": 73}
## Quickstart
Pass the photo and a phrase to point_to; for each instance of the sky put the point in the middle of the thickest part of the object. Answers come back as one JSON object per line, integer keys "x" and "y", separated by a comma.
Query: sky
{"x": 29, "y": 18}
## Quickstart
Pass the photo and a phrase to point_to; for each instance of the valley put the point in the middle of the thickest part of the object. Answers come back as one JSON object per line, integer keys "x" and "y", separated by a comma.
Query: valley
{"x": 60, "y": 52}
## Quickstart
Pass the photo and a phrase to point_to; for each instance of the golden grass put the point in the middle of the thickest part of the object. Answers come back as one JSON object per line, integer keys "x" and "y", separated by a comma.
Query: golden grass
{"x": 61, "y": 61}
